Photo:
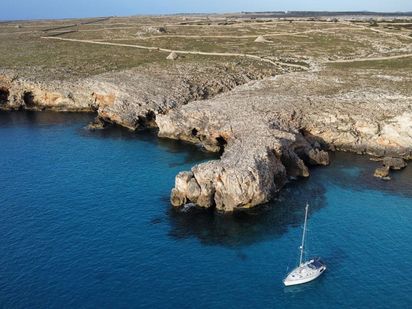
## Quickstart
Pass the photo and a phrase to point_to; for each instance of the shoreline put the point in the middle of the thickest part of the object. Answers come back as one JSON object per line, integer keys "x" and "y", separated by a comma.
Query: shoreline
{"x": 220, "y": 185}
{"x": 346, "y": 87}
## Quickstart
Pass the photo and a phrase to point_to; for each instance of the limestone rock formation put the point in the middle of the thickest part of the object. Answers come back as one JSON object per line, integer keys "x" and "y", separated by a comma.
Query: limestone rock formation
{"x": 18, "y": 94}
{"x": 274, "y": 129}
{"x": 260, "y": 151}
{"x": 269, "y": 131}
{"x": 394, "y": 163}
{"x": 130, "y": 98}
{"x": 389, "y": 163}
{"x": 134, "y": 98}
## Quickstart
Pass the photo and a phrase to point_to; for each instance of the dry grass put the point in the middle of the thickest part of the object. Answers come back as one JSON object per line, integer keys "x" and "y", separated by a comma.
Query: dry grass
{"x": 23, "y": 49}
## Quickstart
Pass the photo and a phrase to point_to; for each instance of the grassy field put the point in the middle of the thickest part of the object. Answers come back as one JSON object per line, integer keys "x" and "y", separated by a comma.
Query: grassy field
{"x": 401, "y": 65}
{"x": 24, "y": 49}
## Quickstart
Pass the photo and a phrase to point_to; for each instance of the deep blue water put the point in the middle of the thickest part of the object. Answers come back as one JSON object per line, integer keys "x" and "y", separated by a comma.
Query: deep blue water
{"x": 85, "y": 222}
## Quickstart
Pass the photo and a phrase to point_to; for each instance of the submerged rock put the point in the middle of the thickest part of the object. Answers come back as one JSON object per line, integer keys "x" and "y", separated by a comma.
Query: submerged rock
{"x": 382, "y": 172}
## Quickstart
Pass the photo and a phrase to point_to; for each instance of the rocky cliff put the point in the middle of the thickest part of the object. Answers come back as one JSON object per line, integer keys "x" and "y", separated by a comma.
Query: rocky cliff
{"x": 274, "y": 129}
{"x": 130, "y": 98}
{"x": 24, "y": 94}
{"x": 269, "y": 131}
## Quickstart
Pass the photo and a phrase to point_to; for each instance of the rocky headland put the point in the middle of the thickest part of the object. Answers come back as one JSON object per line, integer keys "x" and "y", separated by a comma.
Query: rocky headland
{"x": 270, "y": 129}
{"x": 272, "y": 108}
{"x": 274, "y": 129}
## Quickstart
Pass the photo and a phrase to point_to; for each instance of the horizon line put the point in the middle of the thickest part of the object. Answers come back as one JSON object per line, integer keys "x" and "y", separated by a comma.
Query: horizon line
{"x": 286, "y": 12}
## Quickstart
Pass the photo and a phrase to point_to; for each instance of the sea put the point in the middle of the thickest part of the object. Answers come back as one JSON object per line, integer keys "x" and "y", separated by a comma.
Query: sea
{"x": 85, "y": 222}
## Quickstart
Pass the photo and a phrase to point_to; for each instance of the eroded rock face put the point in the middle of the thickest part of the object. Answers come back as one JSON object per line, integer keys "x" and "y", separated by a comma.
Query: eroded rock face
{"x": 389, "y": 163}
{"x": 4, "y": 95}
{"x": 130, "y": 98}
{"x": 247, "y": 175}
{"x": 228, "y": 186}
{"x": 135, "y": 97}
{"x": 269, "y": 131}
{"x": 20, "y": 94}
{"x": 394, "y": 163}
{"x": 274, "y": 129}
{"x": 261, "y": 152}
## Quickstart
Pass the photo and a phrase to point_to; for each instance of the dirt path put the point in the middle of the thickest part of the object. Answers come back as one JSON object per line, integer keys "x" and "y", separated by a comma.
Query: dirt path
{"x": 246, "y": 36}
{"x": 381, "y": 31}
{"x": 184, "y": 52}
{"x": 369, "y": 59}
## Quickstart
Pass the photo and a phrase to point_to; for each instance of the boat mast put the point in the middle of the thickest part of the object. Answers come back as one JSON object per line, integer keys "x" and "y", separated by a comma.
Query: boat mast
{"x": 302, "y": 247}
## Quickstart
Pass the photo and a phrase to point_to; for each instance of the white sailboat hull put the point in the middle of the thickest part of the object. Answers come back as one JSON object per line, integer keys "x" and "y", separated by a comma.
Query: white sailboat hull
{"x": 305, "y": 273}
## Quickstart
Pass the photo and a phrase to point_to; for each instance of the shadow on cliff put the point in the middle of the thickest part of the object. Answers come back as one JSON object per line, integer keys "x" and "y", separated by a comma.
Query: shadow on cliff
{"x": 248, "y": 227}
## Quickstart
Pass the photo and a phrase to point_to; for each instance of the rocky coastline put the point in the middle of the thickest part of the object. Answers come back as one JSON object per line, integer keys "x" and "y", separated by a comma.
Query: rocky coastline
{"x": 269, "y": 125}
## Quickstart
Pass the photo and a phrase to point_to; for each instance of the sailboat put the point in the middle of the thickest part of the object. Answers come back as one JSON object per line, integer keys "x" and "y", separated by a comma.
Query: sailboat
{"x": 307, "y": 270}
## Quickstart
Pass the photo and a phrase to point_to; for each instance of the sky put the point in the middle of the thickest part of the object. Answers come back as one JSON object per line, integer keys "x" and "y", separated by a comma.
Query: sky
{"x": 36, "y": 9}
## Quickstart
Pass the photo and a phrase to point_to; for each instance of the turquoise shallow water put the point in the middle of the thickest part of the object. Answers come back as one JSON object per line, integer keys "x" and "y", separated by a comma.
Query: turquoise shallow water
{"x": 85, "y": 222}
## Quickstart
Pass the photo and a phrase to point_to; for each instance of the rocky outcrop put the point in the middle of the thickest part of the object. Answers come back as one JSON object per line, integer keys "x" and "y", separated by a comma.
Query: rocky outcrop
{"x": 382, "y": 172}
{"x": 247, "y": 175}
{"x": 274, "y": 129}
{"x": 261, "y": 151}
{"x": 394, "y": 163}
{"x": 130, "y": 98}
{"x": 21, "y": 94}
{"x": 389, "y": 163}
{"x": 134, "y": 98}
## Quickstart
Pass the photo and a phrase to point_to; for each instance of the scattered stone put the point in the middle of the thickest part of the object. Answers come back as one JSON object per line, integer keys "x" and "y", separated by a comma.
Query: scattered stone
{"x": 154, "y": 29}
{"x": 151, "y": 30}
{"x": 172, "y": 56}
